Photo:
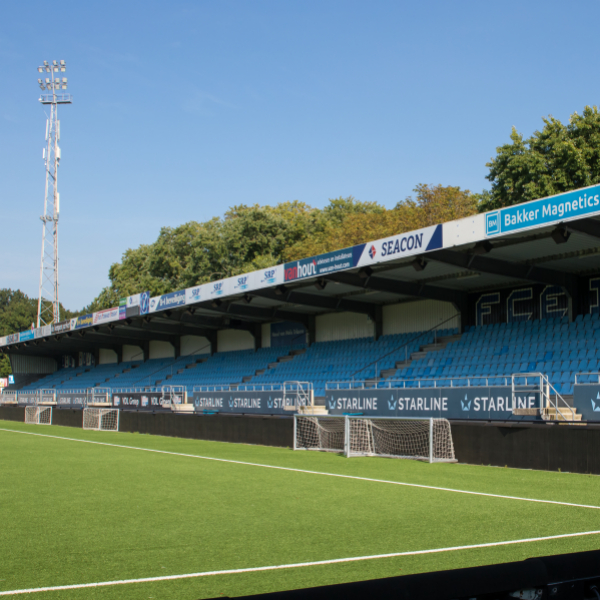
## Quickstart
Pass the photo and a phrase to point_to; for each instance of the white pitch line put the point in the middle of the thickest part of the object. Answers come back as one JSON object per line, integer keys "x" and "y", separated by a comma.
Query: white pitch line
{"x": 356, "y": 477}
{"x": 289, "y": 566}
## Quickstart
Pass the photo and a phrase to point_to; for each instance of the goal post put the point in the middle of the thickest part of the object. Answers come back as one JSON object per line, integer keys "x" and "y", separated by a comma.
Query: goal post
{"x": 38, "y": 415}
{"x": 416, "y": 438}
{"x": 101, "y": 419}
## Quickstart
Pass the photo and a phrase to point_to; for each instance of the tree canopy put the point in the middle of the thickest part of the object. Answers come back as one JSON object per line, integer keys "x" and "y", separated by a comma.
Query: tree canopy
{"x": 254, "y": 237}
{"x": 559, "y": 158}
{"x": 556, "y": 159}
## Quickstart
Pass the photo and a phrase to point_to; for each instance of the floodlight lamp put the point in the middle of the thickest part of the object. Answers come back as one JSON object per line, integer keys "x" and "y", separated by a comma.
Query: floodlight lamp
{"x": 54, "y": 63}
{"x": 45, "y": 63}
{"x": 62, "y": 63}
{"x": 39, "y": 81}
{"x": 41, "y": 69}
{"x": 56, "y": 68}
{"x": 64, "y": 86}
{"x": 47, "y": 80}
{"x": 64, "y": 80}
{"x": 63, "y": 68}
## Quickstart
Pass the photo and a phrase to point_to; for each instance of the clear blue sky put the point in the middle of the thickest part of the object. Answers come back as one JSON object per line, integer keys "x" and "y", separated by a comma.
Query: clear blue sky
{"x": 182, "y": 109}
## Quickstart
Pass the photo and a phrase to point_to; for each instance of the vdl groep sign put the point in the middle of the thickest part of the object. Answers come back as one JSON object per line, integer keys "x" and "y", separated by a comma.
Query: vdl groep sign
{"x": 570, "y": 205}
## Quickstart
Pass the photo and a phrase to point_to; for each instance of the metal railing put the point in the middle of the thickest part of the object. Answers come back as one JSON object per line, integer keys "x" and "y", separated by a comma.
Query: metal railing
{"x": 539, "y": 383}
{"x": 297, "y": 394}
{"x": 439, "y": 382}
{"x": 595, "y": 375}
{"x": 173, "y": 394}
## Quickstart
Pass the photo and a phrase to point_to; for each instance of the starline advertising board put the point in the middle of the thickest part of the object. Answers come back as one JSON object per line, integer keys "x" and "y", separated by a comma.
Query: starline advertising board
{"x": 478, "y": 403}
{"x": 106, "y": 316}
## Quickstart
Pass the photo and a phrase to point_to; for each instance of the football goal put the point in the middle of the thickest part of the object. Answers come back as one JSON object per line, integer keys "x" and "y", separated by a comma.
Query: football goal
{"x": 39, "y": 415}
{"x": 421, "y": 439}
{"x": 101, "y": 419}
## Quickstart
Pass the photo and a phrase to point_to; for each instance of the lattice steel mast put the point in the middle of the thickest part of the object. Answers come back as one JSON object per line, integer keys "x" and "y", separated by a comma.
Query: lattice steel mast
{"x": 48, "y": 306}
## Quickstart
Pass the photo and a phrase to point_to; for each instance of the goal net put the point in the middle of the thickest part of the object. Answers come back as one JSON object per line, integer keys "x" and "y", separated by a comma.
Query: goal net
{"x": 422, "y": 439}
{"x": 40, "y": 415}
{"x": 319, "y": 433}
{"x": 101, "y": 419}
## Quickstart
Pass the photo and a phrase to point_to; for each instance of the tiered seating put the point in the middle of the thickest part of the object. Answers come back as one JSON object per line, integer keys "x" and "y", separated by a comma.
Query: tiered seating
{"x": 55, "y": 378}
{"x": 225, "y": 368}
{"x": 346, "y": 360}
{"x": 551, "y": 346}
{"x": 483, "y": 355}
{"x": 93, "y": 377}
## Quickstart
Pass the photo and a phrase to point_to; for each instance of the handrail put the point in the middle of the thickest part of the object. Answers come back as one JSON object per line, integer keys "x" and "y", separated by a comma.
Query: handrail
{"x": 588, "y": 382}
{"x": 543, "y": 383}
{"x": 387, "y": 383}
{"x": 434, "y": 328}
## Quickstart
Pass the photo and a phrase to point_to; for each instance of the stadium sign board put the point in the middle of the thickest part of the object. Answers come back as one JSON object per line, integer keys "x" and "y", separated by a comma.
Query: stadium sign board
{"x": 245, "y": 402}
{"x": 538, "y": 213}
{"x": 586, "y": 399}
{"x": 480, "y": 403}
{"x": 25, "y": 336}
{"x": 140, "y": 401}
{"x": 61, "y": 327}
{"x": 167, "y": 301}
{"x": 106, "y": 316}
{"x": 71, "y": 399}
{"x": 82, "y": 321}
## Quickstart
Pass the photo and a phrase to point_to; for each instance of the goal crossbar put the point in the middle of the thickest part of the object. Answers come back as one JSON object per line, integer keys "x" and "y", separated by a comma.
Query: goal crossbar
{"x": 428, "y": 439}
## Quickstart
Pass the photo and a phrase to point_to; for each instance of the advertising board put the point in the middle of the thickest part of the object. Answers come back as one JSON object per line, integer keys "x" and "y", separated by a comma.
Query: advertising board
{"x": 62, "y": 327}
{"x": 570, "y": 205}
{"x": 586, "y": 399}
{"x": 82, "y": 321}
{"x": 480, "y": 403}
{"x": 140, "y": 401}
{"x": 240, "y": 402}
{"x": 106, "y": 316}
{"x": 24, "y": 336}
{"x": 71, "y": 399}
{"x": 167, "y": 301}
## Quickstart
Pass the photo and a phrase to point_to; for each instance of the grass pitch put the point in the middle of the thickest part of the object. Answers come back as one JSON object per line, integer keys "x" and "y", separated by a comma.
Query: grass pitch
{"x": 76, "y": 513}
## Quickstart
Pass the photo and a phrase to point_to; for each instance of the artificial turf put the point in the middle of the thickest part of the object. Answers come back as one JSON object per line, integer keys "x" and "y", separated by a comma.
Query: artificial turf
{"x": 73, "y": 513}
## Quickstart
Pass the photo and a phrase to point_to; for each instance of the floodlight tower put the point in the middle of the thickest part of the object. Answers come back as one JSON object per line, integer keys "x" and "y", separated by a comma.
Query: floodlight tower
{"x": 48, "y": 306}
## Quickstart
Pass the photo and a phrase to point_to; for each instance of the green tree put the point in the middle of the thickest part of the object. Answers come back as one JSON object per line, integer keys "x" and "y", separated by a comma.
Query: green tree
{"x": 556, "y": 159}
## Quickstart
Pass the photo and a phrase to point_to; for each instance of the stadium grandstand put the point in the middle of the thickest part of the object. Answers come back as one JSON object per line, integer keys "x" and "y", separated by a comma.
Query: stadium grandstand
{"x": 495, "y": 304}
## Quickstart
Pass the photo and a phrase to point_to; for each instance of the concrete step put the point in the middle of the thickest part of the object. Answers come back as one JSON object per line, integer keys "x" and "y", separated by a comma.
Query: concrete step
{"x": 403, "y": 364}
{"x": 182, "y": 408}
{"x": 296, "y": 352}
{"x": 418, "y": 355}
{"x": 272, "y": 365}
{"x": 553, "y": 414}
{"x": 312, "y": 410}
{"x": 286, "y": 358}
{"x": 259, "y": 371}
{"x": 247, "y": 379}
{"x": 387, "y": 373}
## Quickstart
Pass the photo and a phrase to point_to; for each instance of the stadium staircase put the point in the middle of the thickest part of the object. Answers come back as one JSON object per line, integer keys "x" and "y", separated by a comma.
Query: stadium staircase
{"x": 423, "y": 351}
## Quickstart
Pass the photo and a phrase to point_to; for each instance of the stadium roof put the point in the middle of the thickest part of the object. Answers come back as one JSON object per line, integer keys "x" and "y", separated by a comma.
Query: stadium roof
{"x": 552, "y": 241}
